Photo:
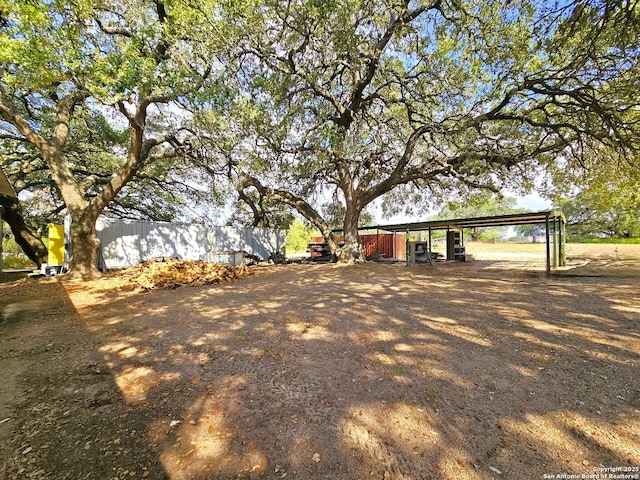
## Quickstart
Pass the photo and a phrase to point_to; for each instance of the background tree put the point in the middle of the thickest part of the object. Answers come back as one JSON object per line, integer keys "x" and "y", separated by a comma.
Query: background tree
{"x": 251, "y": 210}
{"x": 12, "y": 214}
{"x": 64, "y": 60}
{"x": 298, "y": 236}
{"x": 406, "y": 96}
{"x": 30, "y": 243}
{"x": 606, "y": 205}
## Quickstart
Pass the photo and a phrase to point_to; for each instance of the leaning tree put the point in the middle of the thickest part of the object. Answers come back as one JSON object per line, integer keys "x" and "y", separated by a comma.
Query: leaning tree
{"x": 138, "y": 63}
{"x": 368, "y": 100}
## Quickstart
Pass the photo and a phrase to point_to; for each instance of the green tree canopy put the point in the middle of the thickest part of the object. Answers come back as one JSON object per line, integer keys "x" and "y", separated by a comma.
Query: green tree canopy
{"x": 334, "y": 213}
{"x": 389, "y": 98}
{"x": 298, "y": 236}
{"x": 606, "y": 204}
{"x": 136, "y": 63}
{"x": 162, "y": 190}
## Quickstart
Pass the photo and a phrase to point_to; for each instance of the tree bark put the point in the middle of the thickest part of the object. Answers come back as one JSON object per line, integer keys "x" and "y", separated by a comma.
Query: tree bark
{"x": 31, "y": 245}
{"x": 84, "y": 248}
{"x": 351, "y": 251}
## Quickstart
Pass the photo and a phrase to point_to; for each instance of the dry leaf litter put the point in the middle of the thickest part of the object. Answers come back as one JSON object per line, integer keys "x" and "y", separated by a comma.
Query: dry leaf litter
{"x": 173, "y": 273}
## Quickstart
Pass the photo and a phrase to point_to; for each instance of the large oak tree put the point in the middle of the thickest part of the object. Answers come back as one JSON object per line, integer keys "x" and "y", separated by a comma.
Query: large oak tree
{"x": 136, "y": 62}
{"x": 372, "y": 99}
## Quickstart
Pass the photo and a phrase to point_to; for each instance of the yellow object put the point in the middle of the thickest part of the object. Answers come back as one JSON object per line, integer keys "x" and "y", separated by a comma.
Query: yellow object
{"x": 56, "y": 245}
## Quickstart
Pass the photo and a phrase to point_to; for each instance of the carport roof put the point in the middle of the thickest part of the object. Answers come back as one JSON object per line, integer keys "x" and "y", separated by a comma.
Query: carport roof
{"x": 535, "y": 218}
{"x": 6, "y": 190}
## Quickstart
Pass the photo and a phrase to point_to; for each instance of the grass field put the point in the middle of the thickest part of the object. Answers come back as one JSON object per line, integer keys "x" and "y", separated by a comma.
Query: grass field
{"x": 537, "y": 251}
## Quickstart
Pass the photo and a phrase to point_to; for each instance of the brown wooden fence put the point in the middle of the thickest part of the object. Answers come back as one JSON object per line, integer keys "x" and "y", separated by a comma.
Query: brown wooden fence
{"x": 386, "y": 245}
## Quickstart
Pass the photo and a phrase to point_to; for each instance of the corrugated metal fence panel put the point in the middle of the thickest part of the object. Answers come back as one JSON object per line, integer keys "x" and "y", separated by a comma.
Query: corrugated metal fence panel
{"x": 387, "y": 245}
{"x": 265, "y": 241}
{"x": 127, "y": 243}
{"x": 228, "y": 239}
{"x": 255, "y": 241}
{"x": 183, "y": 241}
{"x": 120, "y": 242}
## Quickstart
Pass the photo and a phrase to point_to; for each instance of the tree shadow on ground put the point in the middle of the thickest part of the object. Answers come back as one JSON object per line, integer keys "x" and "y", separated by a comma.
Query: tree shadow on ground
{"x": 64, "y": 416}
{"x": 376, "y": 371}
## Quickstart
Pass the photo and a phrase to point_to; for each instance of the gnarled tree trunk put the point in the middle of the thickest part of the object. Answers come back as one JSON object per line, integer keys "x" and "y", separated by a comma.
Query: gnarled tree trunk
{"x": 351, "y": 251}
{"x": 84, "y": 247}
{"x": 303, "y": 207}
{"x": 31, "y": 245}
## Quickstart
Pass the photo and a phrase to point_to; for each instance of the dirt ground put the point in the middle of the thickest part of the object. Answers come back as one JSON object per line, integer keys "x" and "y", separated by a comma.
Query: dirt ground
{"x": 452, "y": 371}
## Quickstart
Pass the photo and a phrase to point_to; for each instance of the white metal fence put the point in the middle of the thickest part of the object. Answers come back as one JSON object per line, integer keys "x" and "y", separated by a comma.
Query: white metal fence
{"x": 127, "y": 243}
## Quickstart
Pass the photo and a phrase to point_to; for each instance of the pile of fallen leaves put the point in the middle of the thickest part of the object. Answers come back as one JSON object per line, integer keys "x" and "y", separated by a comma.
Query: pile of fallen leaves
{"x": 174, "y": 273}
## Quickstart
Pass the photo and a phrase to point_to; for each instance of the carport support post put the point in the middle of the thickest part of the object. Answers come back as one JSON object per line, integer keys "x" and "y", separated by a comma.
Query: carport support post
{"x": 406, "y": 248}
{"x": 555, "y": 243}
{"x": 546, "y": 231}
{"x": 563, "y": 243}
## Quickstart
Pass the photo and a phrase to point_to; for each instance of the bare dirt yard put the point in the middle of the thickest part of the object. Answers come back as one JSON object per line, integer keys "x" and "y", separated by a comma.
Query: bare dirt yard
{"x": 452, "y": 371}
{"x": 583, "y": 259}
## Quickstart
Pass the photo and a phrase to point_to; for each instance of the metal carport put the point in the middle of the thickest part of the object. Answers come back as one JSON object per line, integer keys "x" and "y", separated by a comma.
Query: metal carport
{"x": 554, "y": 222}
